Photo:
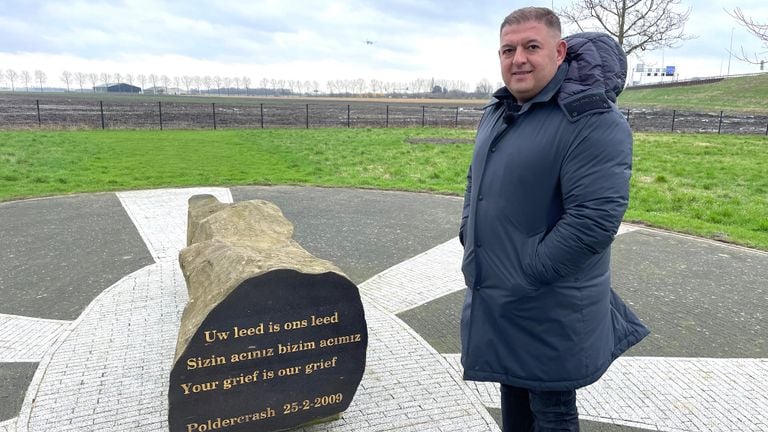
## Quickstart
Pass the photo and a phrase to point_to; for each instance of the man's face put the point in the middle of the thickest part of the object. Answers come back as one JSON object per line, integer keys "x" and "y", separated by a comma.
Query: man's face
{"x": 530, "y": 54}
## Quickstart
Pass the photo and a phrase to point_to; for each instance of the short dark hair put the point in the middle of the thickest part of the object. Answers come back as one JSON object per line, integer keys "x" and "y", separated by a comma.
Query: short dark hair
{"x": 537, "y": 14}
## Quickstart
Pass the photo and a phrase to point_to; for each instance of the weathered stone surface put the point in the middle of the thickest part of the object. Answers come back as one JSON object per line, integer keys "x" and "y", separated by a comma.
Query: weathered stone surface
{"x": 270, "y": 332}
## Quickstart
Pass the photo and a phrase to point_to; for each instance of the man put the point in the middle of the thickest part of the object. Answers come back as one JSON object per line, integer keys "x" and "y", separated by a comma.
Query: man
{"x": 546, "y": 192}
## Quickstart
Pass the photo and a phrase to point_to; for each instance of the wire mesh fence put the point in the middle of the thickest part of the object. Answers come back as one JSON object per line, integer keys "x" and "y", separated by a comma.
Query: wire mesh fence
{"x": 79, "y": 113}
{"x": 137, "y": 113}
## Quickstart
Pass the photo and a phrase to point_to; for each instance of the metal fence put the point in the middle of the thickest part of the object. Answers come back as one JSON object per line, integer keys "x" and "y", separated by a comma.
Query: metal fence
{"x": 137, "y": 114}
{"x": 115, "y": 113}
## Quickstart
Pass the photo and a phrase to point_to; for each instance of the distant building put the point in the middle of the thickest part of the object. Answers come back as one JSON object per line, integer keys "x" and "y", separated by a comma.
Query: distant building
{"x": 117, "y": 88}
{"x": 155, "y": 91}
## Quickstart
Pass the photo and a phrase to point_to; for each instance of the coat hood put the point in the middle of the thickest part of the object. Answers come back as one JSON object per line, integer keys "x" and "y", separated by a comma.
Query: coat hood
{"x": 595, "y": 61}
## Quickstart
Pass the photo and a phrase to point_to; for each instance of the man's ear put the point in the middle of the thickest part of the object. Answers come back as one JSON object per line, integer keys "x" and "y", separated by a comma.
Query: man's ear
{"x": 561, "y": 49}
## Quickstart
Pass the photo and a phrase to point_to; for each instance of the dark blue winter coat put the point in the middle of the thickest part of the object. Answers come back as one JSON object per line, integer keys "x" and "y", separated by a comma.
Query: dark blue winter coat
{"x": 546, "y": 192}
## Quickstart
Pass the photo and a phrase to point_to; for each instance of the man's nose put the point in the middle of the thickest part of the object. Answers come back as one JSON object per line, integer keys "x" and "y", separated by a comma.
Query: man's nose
{"x": 520, "y": 57}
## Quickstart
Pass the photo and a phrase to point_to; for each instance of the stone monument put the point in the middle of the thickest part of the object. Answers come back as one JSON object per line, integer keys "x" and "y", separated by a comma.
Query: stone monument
{"x": 272, "y": 338}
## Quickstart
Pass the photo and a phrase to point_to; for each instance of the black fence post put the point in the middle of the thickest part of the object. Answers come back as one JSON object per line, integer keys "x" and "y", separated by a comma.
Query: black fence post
{"x": 101, "y": 107}
{"x": 628, "y": 110}
{"x": 307, "y": 116}
{"x": 386, "y": 121}
{"x": 456, "y": 121}
{"x": 262, "y": 115}
{"x": 39, "y": 122}
{"x": 674, "y": 112}
{"x": 423, "y": 115}
{"x": 720, "y": 124}
{"x": 349, "y": 123}
{"x": 766, "y": 130}
{"x": 213, "y": 106}
{"x": 160, "y": 109}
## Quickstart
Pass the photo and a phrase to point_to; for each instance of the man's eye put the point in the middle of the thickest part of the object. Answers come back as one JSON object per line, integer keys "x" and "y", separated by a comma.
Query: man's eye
{"x": 508, "y": 51}
{"x": 533, "y": 47}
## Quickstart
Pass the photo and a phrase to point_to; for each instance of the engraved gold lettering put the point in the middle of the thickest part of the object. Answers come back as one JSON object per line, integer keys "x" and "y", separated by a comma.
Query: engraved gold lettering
{"x": 297, "y": 347}
{"x": 250, "y": 331}
{"x": 198, "y": 388}
{"x": 214, "y": 335}
{"x": 199, "y": 362}
{"x": 317, "y": 321}
{"x": 252, "y": 355}
{"x": 322, "y": 364}
{"x": 218, "y": 422}
{"x": 292, "y": 325}
{"x": 242, "y": 379}
{"x": 340, "y": 340}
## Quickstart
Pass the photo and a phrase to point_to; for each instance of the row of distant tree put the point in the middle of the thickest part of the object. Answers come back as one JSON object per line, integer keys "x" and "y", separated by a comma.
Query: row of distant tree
{"x": 225, "y": 85}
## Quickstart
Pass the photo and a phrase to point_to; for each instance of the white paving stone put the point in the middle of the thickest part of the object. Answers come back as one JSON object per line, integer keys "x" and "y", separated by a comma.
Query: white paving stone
{"x": 26, "y": 339}
{"x": 8, "y": 425}
{"x": 669, "y": 394}
{"x": 156, "y": 213}
{"x": 425, "y": 277}
{"x": 625, "y": 228}
{"x": 108, "y": 370}
{"x": 116, "y": 360}
{"x": 111, "y": 368}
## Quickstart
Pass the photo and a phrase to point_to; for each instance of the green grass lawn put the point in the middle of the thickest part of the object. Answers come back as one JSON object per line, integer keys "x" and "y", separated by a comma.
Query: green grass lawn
{"x": 748, "y": 94}
{"x": 708, "y": 185}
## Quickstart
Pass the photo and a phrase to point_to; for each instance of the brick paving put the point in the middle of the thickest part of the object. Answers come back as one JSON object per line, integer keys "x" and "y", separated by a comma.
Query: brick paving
{"x": 108, "y": 369}
{"x": 25, "y": 339}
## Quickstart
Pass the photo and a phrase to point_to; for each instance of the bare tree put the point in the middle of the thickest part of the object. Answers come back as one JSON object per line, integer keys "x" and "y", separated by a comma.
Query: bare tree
{"x": 197, "y": 82}
{"x": 142, "y": 79}
{"x": 217, "y": 80}
{"x": 236, "y": 80}
{"x": 166, "y": 80}
{"x": 375, "y": 86}
{"x": 66, "y": 76}
{"x": 81, "y": 77}
{"x": 105, "y": 79}
{"x": 207, "y": 81}
{"x": 40, "y": 77}
{"x": 94, "y": 79}
{"x": 177, "y": 83}
{"x": 636, "y": 24}
{"x": 187, "y": 80}
{"x": 27, "y": 78}
{"x": 757, "y": 29}
{"x": 129, "y": 78}
{"x": 359, "y": 86}
{"x": 484, "y": 87}
{"x": 12, "y": 77}
{"x": 153, "y": 78}
{"x": 246, "y": 83}
{"x": 227, "y": 84}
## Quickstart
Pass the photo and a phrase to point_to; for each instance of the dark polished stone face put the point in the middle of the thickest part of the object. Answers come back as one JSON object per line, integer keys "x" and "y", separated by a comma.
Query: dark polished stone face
{"x": 282, "y": 350}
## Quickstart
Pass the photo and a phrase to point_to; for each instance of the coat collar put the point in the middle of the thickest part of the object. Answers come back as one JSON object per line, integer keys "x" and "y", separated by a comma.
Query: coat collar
{"x": 503, "y": 95}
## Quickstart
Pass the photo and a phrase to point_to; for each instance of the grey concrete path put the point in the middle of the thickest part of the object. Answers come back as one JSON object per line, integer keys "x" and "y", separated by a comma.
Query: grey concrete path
{"x": 78, "y": 271}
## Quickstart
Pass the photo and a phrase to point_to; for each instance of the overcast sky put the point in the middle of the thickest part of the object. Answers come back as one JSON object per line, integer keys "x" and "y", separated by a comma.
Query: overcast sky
{"x": 396, "y": 40}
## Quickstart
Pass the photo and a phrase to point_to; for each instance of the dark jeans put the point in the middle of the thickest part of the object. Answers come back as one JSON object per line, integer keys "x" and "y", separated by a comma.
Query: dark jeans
{"x": 524, "y": 410}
